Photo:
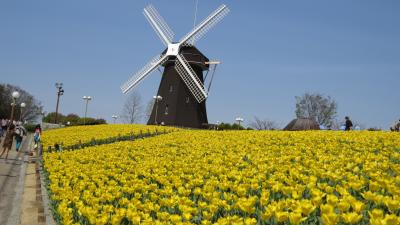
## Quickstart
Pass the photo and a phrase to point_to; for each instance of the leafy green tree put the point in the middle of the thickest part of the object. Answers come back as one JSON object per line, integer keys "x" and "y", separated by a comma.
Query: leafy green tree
{"x": 228, "y": 126}
{"x": 50, "y": 117}
{"x": 73, "y": 119}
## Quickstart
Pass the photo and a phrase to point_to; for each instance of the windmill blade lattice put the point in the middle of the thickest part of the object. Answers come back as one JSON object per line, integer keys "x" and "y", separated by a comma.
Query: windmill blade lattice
{"x": 159, "y": 25}
{"x": 190, "y": 78}
{"x": 200, "y": 30}
{"x": 141, "y": 74}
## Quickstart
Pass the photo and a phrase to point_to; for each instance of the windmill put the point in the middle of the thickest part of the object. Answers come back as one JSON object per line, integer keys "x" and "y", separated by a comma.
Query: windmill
{"x": 181, "y": 96}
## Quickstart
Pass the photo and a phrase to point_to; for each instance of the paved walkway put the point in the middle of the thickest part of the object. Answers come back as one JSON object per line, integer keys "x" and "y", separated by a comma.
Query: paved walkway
{"x": 12, "y": 179}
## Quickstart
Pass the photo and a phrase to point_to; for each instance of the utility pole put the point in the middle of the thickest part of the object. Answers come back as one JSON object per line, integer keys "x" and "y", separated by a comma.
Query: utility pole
{"x": 60, "y": 91}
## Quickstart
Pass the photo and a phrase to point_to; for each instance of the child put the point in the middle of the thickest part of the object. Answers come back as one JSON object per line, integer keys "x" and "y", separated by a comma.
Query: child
{"x": 36, "y": 138}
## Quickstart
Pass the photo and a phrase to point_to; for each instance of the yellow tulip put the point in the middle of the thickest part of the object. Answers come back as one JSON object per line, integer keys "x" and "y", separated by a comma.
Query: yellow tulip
{"x": 391, "y": 220}
{"x": 307, "y": 208}
{"x": 351, "y": 217}
{"x": 330, "y": 218}
{"x": 343, "y": 206}
{"x": 332, "y": 200}
{"x": 392, "y": 204}
{"x": 357, "y": 206}
{"x": 250, "y": 221}
{"x": 282, "y": 216}
{"x": 327, "y": 209}
{"x": 376, "y": 214}
{"x": 267, "y": 214}
{"x": 296, "y": 218}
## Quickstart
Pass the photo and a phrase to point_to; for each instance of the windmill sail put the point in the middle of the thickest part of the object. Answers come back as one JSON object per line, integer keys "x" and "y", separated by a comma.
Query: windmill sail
{"x": 190, "y": 78}
{"x": 159, "y": 25}
{"x": 141, "y": 74}
{"x": 202, "y": 28}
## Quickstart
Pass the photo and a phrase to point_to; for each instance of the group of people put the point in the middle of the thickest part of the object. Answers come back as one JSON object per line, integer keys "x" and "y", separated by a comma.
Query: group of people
{"x": 349, "y": 125}
{"x": 15, "y": 130}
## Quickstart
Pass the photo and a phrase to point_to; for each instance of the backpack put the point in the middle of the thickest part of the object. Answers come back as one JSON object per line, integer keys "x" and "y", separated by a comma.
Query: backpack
{"x": 19, "y": 131}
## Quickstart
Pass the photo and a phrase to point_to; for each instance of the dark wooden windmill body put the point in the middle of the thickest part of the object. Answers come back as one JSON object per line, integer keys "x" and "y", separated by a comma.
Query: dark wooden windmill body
{"x": 178, "y": 107}
{"x": 180, "y": 100}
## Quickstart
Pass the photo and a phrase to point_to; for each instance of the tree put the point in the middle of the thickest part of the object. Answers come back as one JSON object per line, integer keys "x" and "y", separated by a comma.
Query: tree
{"x": 30, "y": 112}
{"x": 50, "y": 117}
{"x": 132, "y": 110}
{"x": 73, "y": 119}
{"x": 228, "y": 126}
{"x": 316, "y": 106}
{"x": 265, "y": 124}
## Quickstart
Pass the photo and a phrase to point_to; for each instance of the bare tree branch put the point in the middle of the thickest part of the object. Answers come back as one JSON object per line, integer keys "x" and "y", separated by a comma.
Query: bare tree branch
{"x": 318, "y": 107}
{"x": 265, "y": 124}
{"x": 132, "y": 110}
{"x": 30, "y": 112}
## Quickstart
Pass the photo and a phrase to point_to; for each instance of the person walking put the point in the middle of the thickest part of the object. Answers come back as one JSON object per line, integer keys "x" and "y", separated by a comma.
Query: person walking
{"x": 20, "y": 132}
{"x": 348, "y": 124}
{"x": 36, "y": 138}
{"x": 8, "y": 140}
{"x": 3, "y": 129}
{"x": 37, "y": 134}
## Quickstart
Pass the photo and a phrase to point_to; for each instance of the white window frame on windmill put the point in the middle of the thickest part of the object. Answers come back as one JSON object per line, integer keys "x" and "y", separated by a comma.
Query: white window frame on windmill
{"x": 166, "y": 110}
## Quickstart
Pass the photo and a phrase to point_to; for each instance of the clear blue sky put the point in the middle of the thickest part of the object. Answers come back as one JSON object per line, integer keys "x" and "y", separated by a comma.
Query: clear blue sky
{"x": 271, "y": 51}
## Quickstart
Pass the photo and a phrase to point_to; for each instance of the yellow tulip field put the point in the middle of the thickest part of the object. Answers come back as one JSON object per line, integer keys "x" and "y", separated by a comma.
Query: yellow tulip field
{"x": 228, "y": 177}
{"x": 73, "y": 135}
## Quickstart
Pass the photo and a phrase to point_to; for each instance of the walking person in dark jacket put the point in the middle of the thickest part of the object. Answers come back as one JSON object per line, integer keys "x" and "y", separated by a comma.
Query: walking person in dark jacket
{"x": 348, "y": 124}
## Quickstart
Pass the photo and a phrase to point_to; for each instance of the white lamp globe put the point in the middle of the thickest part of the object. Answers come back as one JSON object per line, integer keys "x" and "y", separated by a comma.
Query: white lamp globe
{"x": 15, "y": 94}
{"x": 23, "y": 105}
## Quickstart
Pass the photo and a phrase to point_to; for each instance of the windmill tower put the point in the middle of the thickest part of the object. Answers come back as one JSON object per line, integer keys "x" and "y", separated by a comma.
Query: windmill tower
{"x": 181, "y": 96}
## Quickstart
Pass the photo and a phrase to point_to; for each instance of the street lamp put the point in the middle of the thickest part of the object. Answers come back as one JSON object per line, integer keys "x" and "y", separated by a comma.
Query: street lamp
{"x": 239, "y": 120}
{"x": 15, "y": 95}
{"x": 157, "y": 98}
{"x": 60, "y": 91}
{"x": 87, "y": 99}
{"x": 23, "y": 105}
{"x": 115, "y": 117}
